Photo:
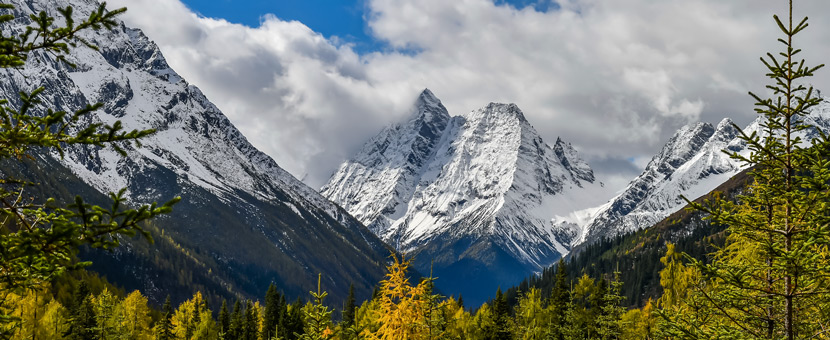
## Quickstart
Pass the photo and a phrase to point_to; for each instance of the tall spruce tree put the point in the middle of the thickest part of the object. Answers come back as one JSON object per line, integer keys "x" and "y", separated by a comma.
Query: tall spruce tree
{"x": 164, "y": 329}
{"x": 347, "y": 325}
{"x": 317, "y": 316}
{"x": 282, "y": 324}
{"x": 501, "y": 318}
{"x": 770, "y": 279}
{"x": 294, "y": 324}
{"x": 250, "y": 328}
{"x": 236, "y": 326}
{"x": 83, "y": 324}
{"x": 350, "y": 308}
{"x": 224, "y": 318}
{"x": 272, "y": 313}
{"x": 560, "y": 299}
{"x": 611, "y": 311}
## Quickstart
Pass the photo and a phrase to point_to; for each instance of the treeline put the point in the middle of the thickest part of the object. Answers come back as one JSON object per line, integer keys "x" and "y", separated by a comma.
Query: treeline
{"x": 636, "y": 255}
{"x": 582, "y": 309}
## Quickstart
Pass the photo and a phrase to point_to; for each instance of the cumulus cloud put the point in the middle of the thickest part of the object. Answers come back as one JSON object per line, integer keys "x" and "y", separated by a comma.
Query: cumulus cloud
{"x": 615, "y": 78}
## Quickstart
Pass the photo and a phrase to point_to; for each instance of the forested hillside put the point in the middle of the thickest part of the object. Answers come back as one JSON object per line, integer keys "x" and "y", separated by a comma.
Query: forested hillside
{"x": 636, "y": 255}
{"x": 241, "y": 221}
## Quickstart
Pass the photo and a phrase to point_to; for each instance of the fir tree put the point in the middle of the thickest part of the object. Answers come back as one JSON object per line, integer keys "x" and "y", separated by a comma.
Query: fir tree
{"x": 348, "y": 329}
{"x": 434, "y": 318}
{"x": 235, "y": 329}
{"x": 770, "y": 279}
{"x": 611, "y": 311}
{"x": 501, "y": 317}
{"x": 164, "y": 330}
{"x": 560, "y": 299}
{"x": 82, "y": 323}
{"x": 224, "y": 318}
{"x": 250, "y": 328}
{"x": 317, "y": 316}
{"x": 272, "y": 313}
{"x": 282, "y": 323}
{"x": 294, "y": 325}
{"x": 350, "y": 308}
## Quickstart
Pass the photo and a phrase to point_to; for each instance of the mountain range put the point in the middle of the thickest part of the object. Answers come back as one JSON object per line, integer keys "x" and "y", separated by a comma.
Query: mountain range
{"x": 482, "y": 201}
{"x": 691, "y": 164}
{"x": 479, "y": 199}
{"x": 243, "y": 219}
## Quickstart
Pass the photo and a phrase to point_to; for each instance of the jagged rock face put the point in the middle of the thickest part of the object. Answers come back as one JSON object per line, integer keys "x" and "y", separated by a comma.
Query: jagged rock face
{"x": 197, "y": 153}
{"x": 486, "y": 195}
{"x": 379, "y": 182}
{"x": 691, "y": 164}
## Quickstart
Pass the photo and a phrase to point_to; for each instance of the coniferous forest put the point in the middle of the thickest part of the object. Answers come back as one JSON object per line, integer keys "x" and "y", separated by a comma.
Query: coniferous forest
{"x": 750, "y": 261}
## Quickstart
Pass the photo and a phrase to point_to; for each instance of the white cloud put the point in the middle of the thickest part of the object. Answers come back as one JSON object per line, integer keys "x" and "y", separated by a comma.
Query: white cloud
{"x": 614, "y": 77}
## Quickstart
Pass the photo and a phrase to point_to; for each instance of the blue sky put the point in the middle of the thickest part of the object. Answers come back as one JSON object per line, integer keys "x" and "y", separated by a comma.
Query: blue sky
{"x": 341, "y": 18}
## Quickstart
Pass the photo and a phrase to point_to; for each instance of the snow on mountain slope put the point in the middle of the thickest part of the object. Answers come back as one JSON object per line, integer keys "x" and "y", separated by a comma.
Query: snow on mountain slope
{"x": 377, "y": 184}
{"x": 195, "y": 149}
{"x": 485, "y": 189}
{"x": 691, "y": 164}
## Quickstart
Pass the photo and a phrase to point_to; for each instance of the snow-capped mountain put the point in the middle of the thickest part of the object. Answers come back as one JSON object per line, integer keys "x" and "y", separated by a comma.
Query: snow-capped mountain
{"x": 376, "y": 185}
{"x": 476, "y": 196}
{"x": 238, "y": 205}
{"x": 691, "y": 164}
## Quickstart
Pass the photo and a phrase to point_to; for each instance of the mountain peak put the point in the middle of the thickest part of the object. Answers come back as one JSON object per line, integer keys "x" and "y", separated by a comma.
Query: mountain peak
{"x": 725, "y": 131}
{"x": 428, "y": 97}
{"x": 429, "y": 108}
{"x": 499, "y": 112}
{"x": 485, "y": 191}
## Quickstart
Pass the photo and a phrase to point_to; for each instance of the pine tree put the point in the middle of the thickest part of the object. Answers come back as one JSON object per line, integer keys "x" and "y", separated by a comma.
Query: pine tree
{"x": 82, "y": 324}
{"x": 164, "y": 329}
{"x": 272, "y": 313}
{"x": 501, "y": 317}
{"x": 348, "y": 330}
{"x": 250, "y": 326}
{"x": 611, "y": 311}
{"x": 224, "y": 318}
{"x": 560, "y": 299}
{"x": 237, "y": 322}
{"x": 105, "y": 310}
{"x": 317, "y": 316}
{"x": 770, "y": 279}
{"x": 282, "y": 324}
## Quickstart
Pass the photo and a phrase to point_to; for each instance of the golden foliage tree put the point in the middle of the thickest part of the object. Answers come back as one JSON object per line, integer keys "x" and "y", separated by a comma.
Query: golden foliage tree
{"x": 136, "y": 320}
{"x": 402, "y": 306}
